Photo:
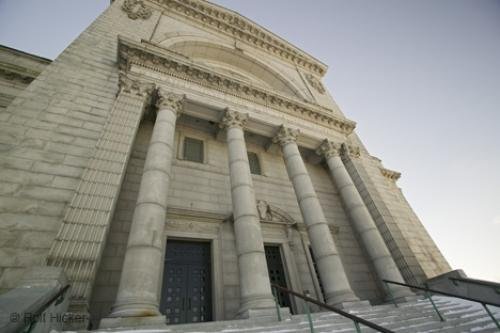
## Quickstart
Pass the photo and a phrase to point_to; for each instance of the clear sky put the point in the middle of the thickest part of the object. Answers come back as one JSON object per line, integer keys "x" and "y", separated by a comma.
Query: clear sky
{"x": 421, "y": 79}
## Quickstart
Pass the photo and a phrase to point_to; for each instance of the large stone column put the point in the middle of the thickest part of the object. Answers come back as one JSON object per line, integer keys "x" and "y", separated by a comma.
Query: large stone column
{"x": 332, "y": 274}
{"x": 361, "y": 219}
{"x": 255, "y": 288}
{"x": 140, "y": 280}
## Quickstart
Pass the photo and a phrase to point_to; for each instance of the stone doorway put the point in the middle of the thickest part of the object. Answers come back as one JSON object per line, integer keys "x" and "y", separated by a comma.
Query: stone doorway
{"x": 277, "y": 273}
{"x": 187, "y": 294}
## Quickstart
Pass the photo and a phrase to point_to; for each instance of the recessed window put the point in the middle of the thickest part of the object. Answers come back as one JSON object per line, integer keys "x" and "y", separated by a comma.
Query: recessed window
{"x": 253, "y": 160}
{"x": 193, "y": 150}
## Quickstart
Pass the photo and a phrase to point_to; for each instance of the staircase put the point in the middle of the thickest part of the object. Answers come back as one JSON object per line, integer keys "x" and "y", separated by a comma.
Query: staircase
{"x": 415, "y": 316}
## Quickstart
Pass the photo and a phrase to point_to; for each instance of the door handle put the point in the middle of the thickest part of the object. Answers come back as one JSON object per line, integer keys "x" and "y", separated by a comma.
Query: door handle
{"x": 183, "y": 303}
{"x": 189, "y": 303}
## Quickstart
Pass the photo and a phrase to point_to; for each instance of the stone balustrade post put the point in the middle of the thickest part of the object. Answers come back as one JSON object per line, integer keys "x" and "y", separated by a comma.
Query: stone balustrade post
{"x": 139, "y": 289}
{"x": 336, "y": 285}
{"x": 361, "y": 219}
{"x": 255, "y": 288}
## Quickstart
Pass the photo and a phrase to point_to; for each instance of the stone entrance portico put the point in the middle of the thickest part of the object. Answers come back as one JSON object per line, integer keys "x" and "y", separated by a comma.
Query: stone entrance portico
{"x": 183, "y": 121}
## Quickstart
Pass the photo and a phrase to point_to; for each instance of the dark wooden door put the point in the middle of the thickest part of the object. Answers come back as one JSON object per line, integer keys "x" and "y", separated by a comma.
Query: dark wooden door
{"x": 186, "y": 293}
{"x": 277, "y": 273}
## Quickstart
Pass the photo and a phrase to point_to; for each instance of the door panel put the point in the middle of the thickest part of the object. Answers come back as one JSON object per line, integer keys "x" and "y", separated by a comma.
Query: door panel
{"x": 186, "y": 293}
{"x": 277, "y": 273}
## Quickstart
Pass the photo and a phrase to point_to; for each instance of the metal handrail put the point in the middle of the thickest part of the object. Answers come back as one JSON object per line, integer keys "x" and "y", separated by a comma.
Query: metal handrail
{"x": 428, "y": 291}
{"x": 58, "y": 298}
{"x": 443, "y": 293}
{"x": 357, "y": 320}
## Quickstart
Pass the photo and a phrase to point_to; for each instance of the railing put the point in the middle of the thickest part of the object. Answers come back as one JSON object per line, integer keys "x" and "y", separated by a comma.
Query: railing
{"x": 429, "y": 292}
{"x": 492, "y": 285}
{"x": 356, "y": 320}
{"x": 56, "y": 299}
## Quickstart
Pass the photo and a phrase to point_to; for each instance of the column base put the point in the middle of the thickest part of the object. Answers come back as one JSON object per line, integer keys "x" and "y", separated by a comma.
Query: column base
{"x": 342, "y": 296}
{"x": 150, "y": 322}
{"x": 401, "y": 295}
{"x": 264, "y": 314}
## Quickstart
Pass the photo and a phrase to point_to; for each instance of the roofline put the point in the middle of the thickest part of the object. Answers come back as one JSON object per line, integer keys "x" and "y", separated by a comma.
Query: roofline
{"x": 37, "y": 57}
{"x": 271, "y": 33}
{"x": 242, "y": 29}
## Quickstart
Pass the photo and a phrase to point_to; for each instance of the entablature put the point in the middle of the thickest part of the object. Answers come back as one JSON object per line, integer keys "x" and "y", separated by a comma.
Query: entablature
{"x": 161, "y": 60}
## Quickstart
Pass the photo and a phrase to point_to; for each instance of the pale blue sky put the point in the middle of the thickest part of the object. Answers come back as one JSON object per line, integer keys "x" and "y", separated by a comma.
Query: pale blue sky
{"x": 421, "y": 79}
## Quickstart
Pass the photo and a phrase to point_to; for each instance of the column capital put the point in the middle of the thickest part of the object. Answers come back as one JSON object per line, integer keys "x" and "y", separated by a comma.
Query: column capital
{"x": 352, "y": 151}
{"x": 286, "y": 135}
{"x": 233, "y": 118}
{"x": 133, "y": 86}
{"x": 169, "y": 100}
{"x": 328, "y": 149}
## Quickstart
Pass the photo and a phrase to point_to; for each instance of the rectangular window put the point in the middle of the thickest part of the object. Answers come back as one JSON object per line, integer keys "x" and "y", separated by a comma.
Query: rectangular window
{"x": 253, "y": 160}
{"x": 193, "y": 150}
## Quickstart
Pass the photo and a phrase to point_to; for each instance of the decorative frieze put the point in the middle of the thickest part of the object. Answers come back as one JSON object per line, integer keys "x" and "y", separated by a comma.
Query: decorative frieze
{"x": 136, "y": 9}
{"x": 13, "y": 75}
{"x": 169, "y": 63}
{"x": 244, "y": 30}
{"x": 390, "y": 174}
{"x": 286, "y": 135}
{"x": 233, "y": 118}
{"x": 315, "y": 83}
{"x": 272, "y": 214}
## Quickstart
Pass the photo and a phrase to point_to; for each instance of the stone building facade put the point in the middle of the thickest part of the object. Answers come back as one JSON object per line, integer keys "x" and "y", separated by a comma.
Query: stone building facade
{"x": 175, "y": 148}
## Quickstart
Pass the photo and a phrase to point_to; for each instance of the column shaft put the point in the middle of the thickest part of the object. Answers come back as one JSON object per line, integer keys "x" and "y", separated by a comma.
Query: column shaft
{"x": 363, "y": 223}
{"x": 140, "y": 279}
{"x": 255, "y": 288}
{"x": 332, "y": 274}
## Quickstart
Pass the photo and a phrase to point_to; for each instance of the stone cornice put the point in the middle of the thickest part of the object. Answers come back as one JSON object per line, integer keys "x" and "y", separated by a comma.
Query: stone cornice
{"x": 167, "y": 62}
{"x": 242, "y": 29}
{"x": 15, "y": 73}
{"x": 390, "y": 174}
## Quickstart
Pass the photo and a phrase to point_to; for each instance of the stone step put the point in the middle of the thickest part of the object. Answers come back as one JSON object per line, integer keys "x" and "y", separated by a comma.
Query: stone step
{"x": 410, "y": 317}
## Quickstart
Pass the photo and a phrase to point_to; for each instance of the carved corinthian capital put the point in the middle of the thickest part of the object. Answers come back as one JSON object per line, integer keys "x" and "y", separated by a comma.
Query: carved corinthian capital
{"x": 352, "y": 151}
{"x": 286, "y": 135}
{"x": 168, "y": 100}
{"x": 131, "y": 86}
{"x": 328, "y": 149}
{"x": 233, "y": 118}
{"x": 136, "y": 9}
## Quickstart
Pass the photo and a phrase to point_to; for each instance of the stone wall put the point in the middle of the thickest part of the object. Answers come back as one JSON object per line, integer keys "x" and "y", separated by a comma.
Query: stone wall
{"x": 47, "y": 136}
